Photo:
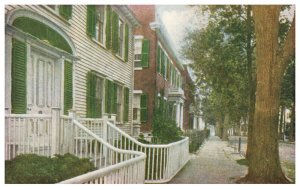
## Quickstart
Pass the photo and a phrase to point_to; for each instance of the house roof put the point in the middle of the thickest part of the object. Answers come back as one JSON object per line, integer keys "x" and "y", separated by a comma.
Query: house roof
{"x": 129, "y": 15}
{"x": 164, "y": 39}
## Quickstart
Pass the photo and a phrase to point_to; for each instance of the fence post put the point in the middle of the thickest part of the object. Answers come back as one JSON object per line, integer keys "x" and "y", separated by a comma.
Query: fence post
{"x": 55, "y": 115}
{"x": 105, "y": 136}
{"x": 114, "y": 118}
{"x": 70, "y": 131}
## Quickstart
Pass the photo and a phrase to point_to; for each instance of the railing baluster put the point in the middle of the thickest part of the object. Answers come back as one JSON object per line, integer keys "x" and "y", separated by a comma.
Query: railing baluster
{"x": 14, "y": 141}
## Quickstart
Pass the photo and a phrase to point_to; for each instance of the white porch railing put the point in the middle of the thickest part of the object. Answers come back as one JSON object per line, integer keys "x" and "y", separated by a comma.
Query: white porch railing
{"x": 119, "y": 157}
{"x": 115, "y": 165}
{"x": 162, "y": 162}
{"x": 26, "y": 133}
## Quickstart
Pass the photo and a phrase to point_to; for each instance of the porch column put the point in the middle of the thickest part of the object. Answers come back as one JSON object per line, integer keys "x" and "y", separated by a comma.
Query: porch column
{"x": 55, "y": 112}
{"x": 181, "y": 116}
{"x": 8, "y": 58}
{"x": 178, "y": 114}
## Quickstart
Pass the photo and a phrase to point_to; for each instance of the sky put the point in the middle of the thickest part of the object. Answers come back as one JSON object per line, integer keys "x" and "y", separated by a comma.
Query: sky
{"x": 178, "y": 19}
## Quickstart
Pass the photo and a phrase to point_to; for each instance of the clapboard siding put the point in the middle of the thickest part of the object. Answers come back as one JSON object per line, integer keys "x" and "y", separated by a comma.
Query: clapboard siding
{"x": 92, "y": 55}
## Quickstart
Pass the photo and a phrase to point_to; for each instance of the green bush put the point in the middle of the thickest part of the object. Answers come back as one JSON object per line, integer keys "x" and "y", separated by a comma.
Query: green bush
{"x": 166, "y": 131}
{"x": 196, "y": 139}
{"x": 35, "y": 169}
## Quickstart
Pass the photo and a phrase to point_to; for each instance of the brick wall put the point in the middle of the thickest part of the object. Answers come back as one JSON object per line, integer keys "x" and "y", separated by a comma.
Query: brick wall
{"x": 145, "y": 79}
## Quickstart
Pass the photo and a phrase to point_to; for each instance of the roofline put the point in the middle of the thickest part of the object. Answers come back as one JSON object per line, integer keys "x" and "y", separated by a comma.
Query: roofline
{"x": 129, "y": 15}
{"x": 161, "y": 33}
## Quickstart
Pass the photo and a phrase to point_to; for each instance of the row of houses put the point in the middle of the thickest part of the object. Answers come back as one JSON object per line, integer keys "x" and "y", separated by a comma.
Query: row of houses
{"x": 95, "y": 60}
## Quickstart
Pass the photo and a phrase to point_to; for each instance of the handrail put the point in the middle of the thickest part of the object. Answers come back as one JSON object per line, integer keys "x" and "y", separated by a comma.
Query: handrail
{"x": 114, "y": 165}
{"x": 94, "y": 174}
{"x": 146, "y": 145}
{"x": 162, "y": 162}
{"x": 104, "y": 142}
{"x": 28, "y": 116}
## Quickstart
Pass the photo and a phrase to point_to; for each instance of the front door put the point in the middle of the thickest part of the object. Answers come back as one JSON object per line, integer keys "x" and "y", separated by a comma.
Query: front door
{"x": 41, "y": 83}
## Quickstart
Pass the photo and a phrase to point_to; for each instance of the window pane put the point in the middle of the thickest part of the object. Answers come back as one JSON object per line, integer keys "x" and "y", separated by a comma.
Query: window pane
{"x": 121, "y": 34}
{"x": 100, "y": 24}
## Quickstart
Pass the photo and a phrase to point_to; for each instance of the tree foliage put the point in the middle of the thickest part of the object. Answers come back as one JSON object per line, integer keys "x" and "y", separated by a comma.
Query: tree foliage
{"x": 219, "y": 56}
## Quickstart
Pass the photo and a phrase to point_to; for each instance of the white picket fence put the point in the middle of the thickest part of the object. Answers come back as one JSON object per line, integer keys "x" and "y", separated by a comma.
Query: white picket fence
{"x": 114, "y": 165}
{"x": 119, "y": 157}
{"x": 163, "y": 161}
{"x": 27, "y": 134}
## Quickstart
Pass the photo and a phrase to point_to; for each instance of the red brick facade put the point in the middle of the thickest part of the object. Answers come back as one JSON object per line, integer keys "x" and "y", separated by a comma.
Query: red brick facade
{"x": 148, "y": 79}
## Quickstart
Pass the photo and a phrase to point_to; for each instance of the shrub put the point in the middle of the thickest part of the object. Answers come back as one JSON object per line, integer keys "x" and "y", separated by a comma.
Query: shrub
{"x": 165, "y": 129}
{"x": 35, "y": 169}
{"x": 196, "y": 139}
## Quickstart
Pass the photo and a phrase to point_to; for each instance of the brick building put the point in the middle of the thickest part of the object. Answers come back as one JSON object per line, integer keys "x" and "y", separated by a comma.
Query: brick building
{"x": 158, "y": 74}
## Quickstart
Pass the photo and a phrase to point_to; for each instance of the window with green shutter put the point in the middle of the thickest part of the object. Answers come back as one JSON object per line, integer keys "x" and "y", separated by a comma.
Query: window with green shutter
{"x": 115, "y": 99}
{"x": 143, "y": 106}
{"x": 168, "y": 69}
{"x": 163, "y": 65}
{"x": 115, "y": 32}
{"x": 94, "y": 95}
{"x": 65, "y": 11}
{"x": 68, "y": 86}
{"x": 18, "y": 73}
{"x": 126, "y": 105}
{"x": 108, "y": 27}
{"x": 90, "y": 95}
{"x": 126, "y": 42}
{"x": 112, "y": 96}
{"x": 145, "y": 53}
{"x": 158, "y": 59}
{"x": 107, "y": 99}
{"x": 91, "y": 20}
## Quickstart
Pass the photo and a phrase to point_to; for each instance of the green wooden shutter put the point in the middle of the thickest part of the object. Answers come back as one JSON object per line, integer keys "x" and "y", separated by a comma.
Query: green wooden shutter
{"x": 126, "y": 42}
{"x": 65, "y": 11}
{"x": 112, "y": 97}
{"x": 158, "y": 59}
{"x": 91, "y": 21}
{"x": 108, "y": 27}
{"x": 168, "y": 69}
{"x": 90, "y": 96}
{"x": 126, "y": 104}
{"x": 107, "y": 110}
{"x": 19, "y": 69}
{"x": 97, "y": 100}
{"x": 68, "y": 86}
{"x": 143, "y": 105}
{"x": 115, "y": 32}
{"x": 145, "y": 53}
{"x": 163, "y": 67}
{"x": 115, "y": 97}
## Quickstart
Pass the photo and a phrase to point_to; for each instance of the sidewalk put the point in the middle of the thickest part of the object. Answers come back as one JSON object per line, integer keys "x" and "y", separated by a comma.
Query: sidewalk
{"x": 213, "y": 164}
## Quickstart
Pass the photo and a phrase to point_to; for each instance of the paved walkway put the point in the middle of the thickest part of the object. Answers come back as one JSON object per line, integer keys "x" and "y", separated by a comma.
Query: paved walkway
{"x": 213, "y": 164}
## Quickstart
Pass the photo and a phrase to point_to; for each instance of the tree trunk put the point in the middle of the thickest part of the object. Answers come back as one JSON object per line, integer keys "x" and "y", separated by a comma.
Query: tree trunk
{"x": 292, "y": 125}
{"x": 264, "y": 164}
{"x": 281, "y": 124}
{"x": 252, "y": 83}
{"x": 225, "y": 127}
{"x": 219, "y": 127}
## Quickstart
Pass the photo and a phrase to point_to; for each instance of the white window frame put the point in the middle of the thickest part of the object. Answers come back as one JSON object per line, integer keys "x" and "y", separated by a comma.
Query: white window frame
{"x": 104, "y": 25}
{"x": 121, "y": 52}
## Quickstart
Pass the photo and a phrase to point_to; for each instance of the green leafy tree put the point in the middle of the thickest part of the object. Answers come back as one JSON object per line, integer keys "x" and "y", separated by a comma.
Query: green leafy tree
{"x": 219, "y": 55}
